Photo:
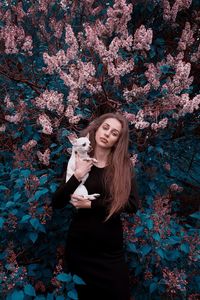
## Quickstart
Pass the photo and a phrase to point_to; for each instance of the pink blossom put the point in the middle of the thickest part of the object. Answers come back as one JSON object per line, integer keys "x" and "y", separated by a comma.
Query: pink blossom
{"x": 122, "y": 68}
{"x": 181, "y": 79}
{"x": 196, "y": 56}
{"x": 167, "y": 166}
{"x": 186, "y": 37}
{"x": 17, "y": 118}
{"x": 171, "y": 13}
{"x": 130, "y": 117}
{"x": 134, "y": 159}
{"x": 55, "y": 62}
{"x": 28, "y": 45}
{"x": 162, "y": 124}
{"x": 57, "y": 27}
{"x": 74, "y": 119}
{"x": 44, "y": 157}
{"x": 18, "y": 9}
{"x": 153, "y": 75}
{"x": 175, "y": 280}
{"x": 43, "y": 5}
{"x": 189, "y": 106}
{"x": 45, "y": 122}
{"x": 142, "y": 38}
{"x": 141, "y": 124}
{"x": 175, "y": 187}
{"x": 71, "y": 41}
{"x": 13, "y": 37}
{"x": 73, "y": 98}
{"x": 3, "y": 128}
{"x": 135, "y": 92}
{"x": 29, "y": 145}
{"x": 8, "y": 102}
{"x": 118, "y": 17}
{"x": 51, "y": 100}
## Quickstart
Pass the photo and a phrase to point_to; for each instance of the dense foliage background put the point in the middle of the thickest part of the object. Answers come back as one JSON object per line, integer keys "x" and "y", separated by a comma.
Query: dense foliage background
{"x": 63, "y": 63}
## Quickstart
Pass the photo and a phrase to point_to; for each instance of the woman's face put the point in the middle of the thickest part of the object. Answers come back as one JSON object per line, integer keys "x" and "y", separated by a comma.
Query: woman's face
{"x": 108, "y": 133}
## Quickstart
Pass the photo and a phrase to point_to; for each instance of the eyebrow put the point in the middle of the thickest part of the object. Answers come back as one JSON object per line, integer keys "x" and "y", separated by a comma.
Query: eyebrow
{"x": 113, "y": 129}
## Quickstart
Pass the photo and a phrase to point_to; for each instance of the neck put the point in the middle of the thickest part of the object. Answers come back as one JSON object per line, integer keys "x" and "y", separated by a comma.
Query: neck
{"x": 101, "y": 155}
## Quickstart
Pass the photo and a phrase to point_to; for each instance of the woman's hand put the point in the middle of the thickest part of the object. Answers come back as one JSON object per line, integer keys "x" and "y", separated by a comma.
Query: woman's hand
{"x": 82, "y": 167}
{"x": 80, "y": 202}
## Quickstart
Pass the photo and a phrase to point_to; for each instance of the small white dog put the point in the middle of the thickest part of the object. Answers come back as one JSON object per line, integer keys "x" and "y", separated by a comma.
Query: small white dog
{"x": 82, "y": 147}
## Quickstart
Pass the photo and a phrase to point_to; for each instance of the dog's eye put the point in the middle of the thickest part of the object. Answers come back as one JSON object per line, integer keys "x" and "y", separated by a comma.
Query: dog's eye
{"x": 84, "y": 145}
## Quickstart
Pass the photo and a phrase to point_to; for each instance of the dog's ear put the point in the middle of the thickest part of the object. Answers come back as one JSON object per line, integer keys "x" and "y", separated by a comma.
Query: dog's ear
{"x": 72, "y": 138}
{"x": 88, "y": 136}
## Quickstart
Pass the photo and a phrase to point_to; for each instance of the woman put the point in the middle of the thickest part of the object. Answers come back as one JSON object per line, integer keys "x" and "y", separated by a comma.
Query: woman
{"x": 94, "y": 249}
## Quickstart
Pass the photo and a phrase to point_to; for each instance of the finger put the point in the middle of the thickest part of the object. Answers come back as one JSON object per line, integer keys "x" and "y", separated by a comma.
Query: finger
{"x": 77, "y": 197}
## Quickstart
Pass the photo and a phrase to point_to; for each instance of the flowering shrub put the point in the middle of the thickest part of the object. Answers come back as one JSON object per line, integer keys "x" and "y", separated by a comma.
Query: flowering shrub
{"x": 62, "y": 64}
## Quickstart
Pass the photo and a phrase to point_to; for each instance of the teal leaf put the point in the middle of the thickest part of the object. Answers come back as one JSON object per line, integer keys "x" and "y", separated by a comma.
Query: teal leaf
{"x": 73, "y": 294}
{"x": 145, "y": 249}
{"x": 25, "y": 218}
{"x": 185, "y": 248}
{"x": 1, "y": 222}
{"x": 196, "y": 215}
{"x": 17, "y": 295}
{"x": 131, "y": 248}
{"x": 78, "y": 280}
{"x": 17, "y": 196}
{"x": 25, "y": 173}
{"x": 139, "y": 229}
{"x": 150, "y": 224}
{"x": 60, "y": 297}
{"x": 50, "y": 296}
{"x": 153, "y": 287}
{"x": 43, "y": 179}
{"x": 39, "y": 193}
{"x": 29, "y": 290}
{"x": 33, "y": 236}
{"x": 160, "y": 252}
{"x": 35, "y": 223}
{"x": 64, "y": 277}
{"x": 156, "y": 236}
{"x": 3, "y": 188}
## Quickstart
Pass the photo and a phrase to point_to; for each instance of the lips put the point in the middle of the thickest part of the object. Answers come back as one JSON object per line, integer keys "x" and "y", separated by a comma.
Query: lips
{"x": 104, "y": 140}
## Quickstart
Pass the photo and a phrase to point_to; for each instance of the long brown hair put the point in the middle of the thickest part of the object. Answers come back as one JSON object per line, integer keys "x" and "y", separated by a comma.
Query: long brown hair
{"x": 117, "y": 178}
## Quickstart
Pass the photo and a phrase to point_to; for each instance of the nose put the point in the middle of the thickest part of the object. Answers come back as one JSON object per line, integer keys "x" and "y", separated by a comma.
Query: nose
{"x": 107, "y": 134}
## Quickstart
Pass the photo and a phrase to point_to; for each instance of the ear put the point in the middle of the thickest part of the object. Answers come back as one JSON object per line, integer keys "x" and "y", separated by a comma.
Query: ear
{"x": 72, "y": 138}
{"x": 88, "y": 136}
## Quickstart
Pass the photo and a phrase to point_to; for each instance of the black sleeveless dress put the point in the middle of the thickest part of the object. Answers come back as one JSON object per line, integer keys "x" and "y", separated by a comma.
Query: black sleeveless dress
{"x": 94, "y": 248}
